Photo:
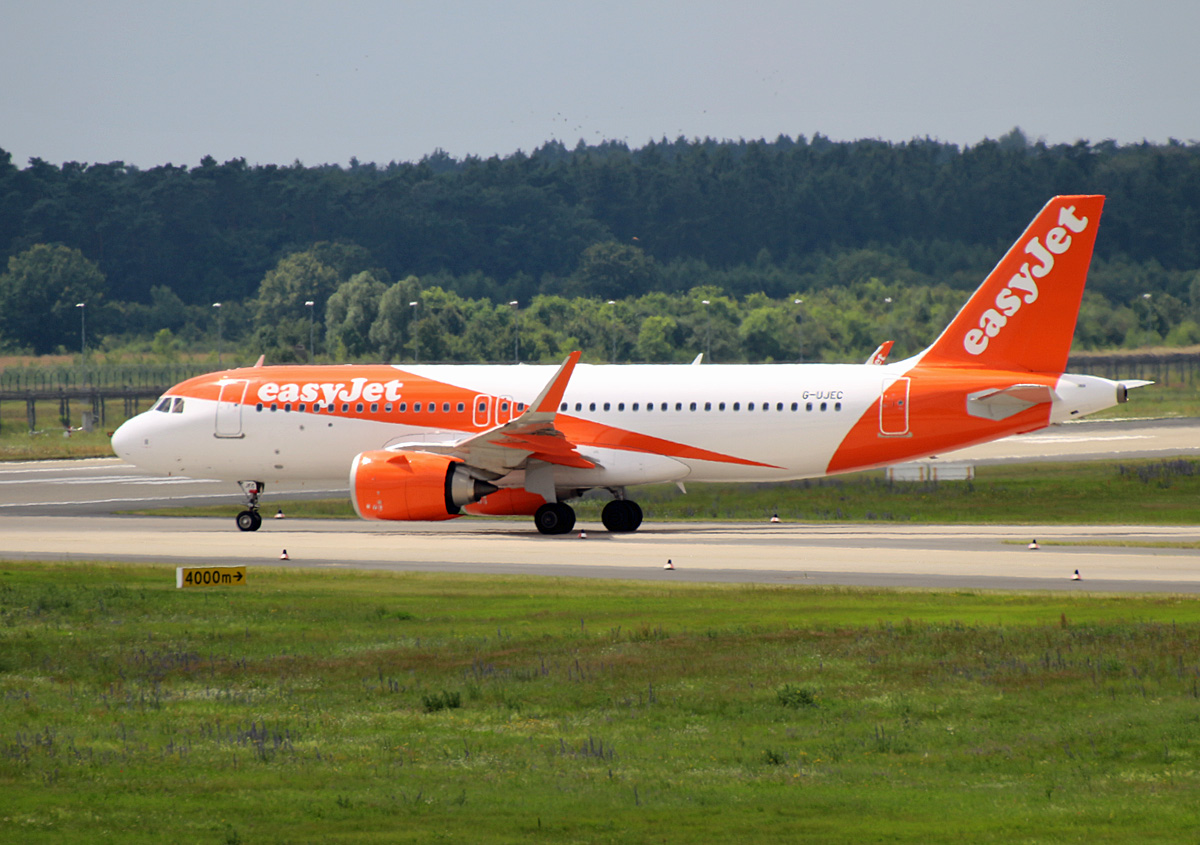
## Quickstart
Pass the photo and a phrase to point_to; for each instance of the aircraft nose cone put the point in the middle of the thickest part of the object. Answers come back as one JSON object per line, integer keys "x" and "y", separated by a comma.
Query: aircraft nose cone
{"x": 126, "y": 439}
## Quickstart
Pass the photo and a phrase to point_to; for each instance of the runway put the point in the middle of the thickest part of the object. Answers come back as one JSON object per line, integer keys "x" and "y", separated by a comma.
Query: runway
{"x": 65, "y": 511}
{"x": 965, "y": 557}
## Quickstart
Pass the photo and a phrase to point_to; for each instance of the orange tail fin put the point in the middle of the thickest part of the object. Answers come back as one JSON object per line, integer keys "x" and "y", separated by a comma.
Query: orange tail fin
{"x": 1023, "y": 315}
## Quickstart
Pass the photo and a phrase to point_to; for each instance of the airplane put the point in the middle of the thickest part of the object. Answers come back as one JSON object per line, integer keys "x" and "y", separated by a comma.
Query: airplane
{"x": 432, "y": 442}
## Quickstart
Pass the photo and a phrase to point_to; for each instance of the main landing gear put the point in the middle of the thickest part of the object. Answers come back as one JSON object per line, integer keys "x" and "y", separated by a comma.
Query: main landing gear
{"x": 619, "y": 516}
{"x": 554, "y": 518}
{"x": 250, "y": 519}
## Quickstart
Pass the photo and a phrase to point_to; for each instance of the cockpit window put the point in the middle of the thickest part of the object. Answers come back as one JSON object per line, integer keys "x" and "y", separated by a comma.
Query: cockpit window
{"x": 177, "y": 407}
{"x": 164, "y": 404}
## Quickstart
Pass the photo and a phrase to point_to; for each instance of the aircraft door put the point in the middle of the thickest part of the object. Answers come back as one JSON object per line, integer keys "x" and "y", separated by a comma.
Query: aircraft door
{"x": 506, "y": 409}
{"x": 483, "y": 411}
{"x": 229, "y": 408}
{"x": 893, "y": 407}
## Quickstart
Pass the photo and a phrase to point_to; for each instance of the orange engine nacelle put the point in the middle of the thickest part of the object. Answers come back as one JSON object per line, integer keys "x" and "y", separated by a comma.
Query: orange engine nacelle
{"x": 412, "y": 486}
{"x": 511, "y": 501}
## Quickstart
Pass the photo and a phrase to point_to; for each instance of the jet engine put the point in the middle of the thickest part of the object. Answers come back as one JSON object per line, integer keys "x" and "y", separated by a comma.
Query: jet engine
{"x": 412, "y": 486}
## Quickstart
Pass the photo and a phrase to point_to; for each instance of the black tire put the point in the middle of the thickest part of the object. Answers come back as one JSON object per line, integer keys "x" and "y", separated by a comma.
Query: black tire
{"x": 249, "y": 521}
{"x": 635, "y": 515}
{"x": 621, "y": 516}
{"x": 554, "y": 518}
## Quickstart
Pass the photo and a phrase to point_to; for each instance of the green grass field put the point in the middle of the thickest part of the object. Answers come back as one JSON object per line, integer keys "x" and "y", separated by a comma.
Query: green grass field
{"x": 358, "y": 707}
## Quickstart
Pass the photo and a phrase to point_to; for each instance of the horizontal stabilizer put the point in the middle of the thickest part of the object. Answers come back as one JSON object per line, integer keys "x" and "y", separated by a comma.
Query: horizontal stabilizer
{"x": 1009, "y": 401}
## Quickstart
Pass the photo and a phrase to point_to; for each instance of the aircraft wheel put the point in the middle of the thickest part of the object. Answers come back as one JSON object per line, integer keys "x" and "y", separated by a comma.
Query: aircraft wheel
{"x": 621, "y": 516}
{"x": 249, "y": 521}
{"x": 554, "y": 518}
{"x": 635, "y": 515}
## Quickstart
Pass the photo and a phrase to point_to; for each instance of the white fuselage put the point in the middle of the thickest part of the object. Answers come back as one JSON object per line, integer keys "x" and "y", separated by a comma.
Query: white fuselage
{"x": 721, "y": 422}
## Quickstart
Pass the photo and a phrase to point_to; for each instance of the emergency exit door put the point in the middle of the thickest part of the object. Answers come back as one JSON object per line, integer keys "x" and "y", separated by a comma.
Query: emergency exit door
{"x": 893, "y": 407}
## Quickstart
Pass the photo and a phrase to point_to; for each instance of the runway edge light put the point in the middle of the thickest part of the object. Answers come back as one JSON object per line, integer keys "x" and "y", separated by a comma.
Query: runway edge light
{"x": 210, "y": 576}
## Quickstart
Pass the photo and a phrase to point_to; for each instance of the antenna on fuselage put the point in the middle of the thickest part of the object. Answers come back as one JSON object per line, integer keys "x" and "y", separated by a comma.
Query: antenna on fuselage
{"x": 262, "y": 359}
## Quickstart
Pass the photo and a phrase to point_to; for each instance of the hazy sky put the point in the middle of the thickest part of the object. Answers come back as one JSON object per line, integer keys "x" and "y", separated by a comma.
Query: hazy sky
{"x": 155, "y": 82}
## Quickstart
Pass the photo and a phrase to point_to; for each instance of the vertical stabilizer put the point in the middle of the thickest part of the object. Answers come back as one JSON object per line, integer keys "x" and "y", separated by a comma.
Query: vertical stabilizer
{"x": 1023, "y": 315}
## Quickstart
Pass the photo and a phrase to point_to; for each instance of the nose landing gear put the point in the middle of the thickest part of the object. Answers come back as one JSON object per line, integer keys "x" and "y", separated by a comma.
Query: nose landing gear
{"x": 250, "y": 519}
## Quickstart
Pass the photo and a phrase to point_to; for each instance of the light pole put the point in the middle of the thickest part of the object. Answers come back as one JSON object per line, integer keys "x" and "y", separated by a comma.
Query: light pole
{"x": 799, "y": 330}
{"x": 707, "y": 331}
{"x": 612, "y": 330}
{"x": 217, "y": 305}
{"x": 309, "y": 305}
{"x": 82, "y": 306}
{"x": 416, "y": 340}
{"x": 516, "y": 307}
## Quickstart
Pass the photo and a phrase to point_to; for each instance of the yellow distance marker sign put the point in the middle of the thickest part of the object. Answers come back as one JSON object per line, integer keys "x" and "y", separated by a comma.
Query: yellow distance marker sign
{"x": 210, "y": 576}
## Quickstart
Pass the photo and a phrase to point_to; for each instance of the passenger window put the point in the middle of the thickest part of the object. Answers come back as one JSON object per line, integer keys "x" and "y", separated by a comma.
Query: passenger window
{"x": 520, "y": 406}
{"x": 649, "y": 406}
{"x": 482, "y": 406}
{"x": 824, "y": 405}
{"x": 403, "y": 407}
{"x": 258, "y": 407}
{"x": 374, "y": 407}
{"x": 795, "y": 406}
{"x": 461, "y": 407}
{"x": 345, "y": 407}
{"x": 504, "y": 407}
{"x": 708, "y": 406}
{"x": 274, "y": 406}
{"x": 634, "y": 406}
{"x": 663, "y": 406}
{"x": 288, "y": 407}
{"x": 693, "y": 406}
{"x": 431, "y": 407}
{"x": 445, "y": 407}
{"x": 358, "y": 408}
{"x": 387, "y": 409}
{"x": 592, "y": 406}
{"x": 737, "y": 406}
{"x": 417, "y": 407}
{"x": 837, "y": 406}
{"x": 563, "y": 406}
{"x": 778, "y": 406}
{"x": 808, "y": 407}
{"x": 578, "y": 406}
{"x": 749, "y": 407}
{"x": 620, "y": 406}
{"x": 721, "y": 406}
{"x": 606, "y": 406}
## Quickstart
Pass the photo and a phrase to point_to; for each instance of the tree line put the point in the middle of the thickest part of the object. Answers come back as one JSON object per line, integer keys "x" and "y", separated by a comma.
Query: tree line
{"x": 602, "y": 247}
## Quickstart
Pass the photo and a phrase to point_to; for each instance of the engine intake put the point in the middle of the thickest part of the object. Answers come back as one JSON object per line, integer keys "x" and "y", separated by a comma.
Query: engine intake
{"x": 412, "y": 486}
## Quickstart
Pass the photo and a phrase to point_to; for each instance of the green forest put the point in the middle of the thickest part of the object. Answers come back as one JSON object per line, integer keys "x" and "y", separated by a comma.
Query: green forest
{"x": 793, "y": 249}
